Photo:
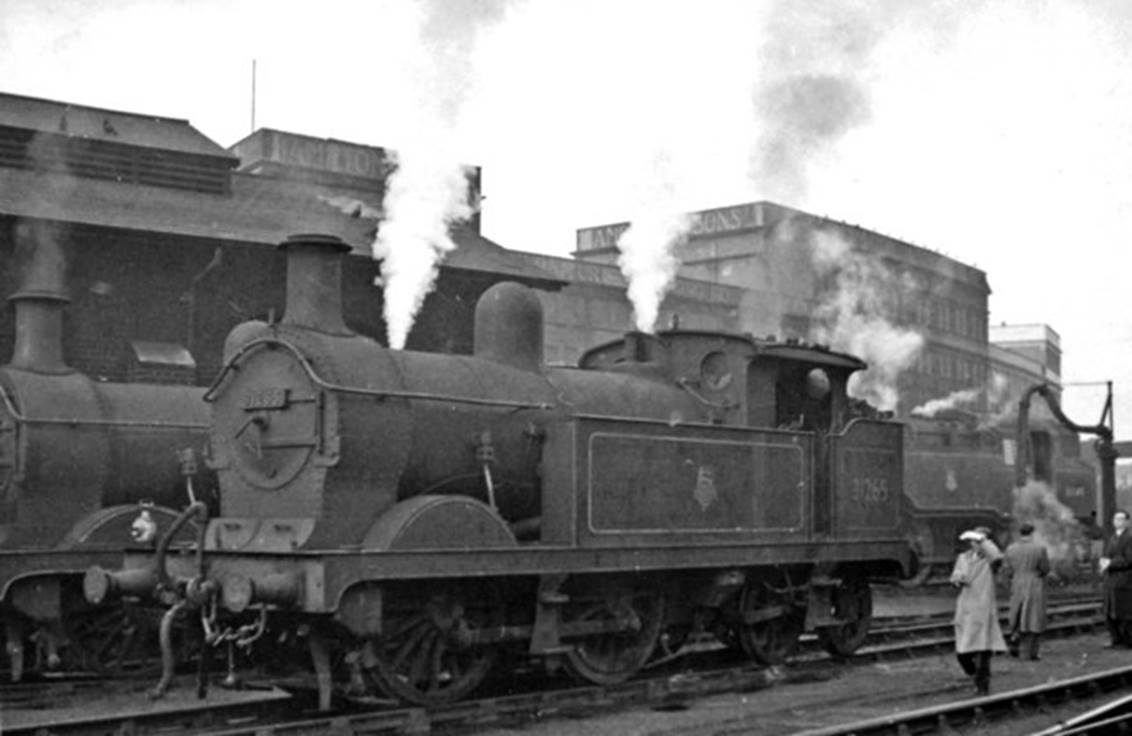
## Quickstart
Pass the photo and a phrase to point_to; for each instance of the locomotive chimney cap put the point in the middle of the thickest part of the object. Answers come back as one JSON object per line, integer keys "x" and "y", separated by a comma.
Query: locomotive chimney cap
{"x": 329, "y": 241}
{"x": 44, "y": 294}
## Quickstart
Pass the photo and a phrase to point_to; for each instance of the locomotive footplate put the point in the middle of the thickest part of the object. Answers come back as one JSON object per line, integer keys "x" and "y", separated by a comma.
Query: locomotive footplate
{"x": 315, "y": 582}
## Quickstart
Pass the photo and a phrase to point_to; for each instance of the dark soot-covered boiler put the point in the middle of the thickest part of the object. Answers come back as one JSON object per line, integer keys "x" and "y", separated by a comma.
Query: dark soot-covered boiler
{"x": 330, "y": 429}
{"x": 86, "y": 468}
{"x": 71, "y": 446}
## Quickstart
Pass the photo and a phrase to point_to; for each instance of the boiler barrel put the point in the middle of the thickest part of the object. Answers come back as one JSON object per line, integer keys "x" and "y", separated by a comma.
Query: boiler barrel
{"x": 70, "y": 446}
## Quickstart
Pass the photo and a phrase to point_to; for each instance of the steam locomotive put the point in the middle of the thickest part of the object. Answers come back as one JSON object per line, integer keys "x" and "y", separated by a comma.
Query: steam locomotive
{"x": 84, "y": 464}
{"x": 961, "y": 473}
{"x": 410, "y": 517}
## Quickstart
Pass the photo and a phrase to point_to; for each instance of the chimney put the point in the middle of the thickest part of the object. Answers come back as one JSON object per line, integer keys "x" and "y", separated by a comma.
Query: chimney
{"x": 643, "y": 351}
{"x": 314, "y": 282}
{"x": 39, "y": 332}
{"x": 637, "y": 347}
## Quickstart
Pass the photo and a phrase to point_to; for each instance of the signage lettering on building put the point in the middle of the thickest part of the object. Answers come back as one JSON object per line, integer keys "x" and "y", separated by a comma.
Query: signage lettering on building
{"x": 345, "y": 158}
{"x": 334, "y": 156}
{"x": 708, "y": 222}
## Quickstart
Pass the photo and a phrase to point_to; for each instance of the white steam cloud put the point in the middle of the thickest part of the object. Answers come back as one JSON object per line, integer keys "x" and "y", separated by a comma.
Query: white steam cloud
{"x": 853, "y": 318}
{"x": 1002, "y": 405}
{"x": 1055, "y": 526}
{"x": 951, "y": 401}
{"x": 425, "y": 195}
{"x": 647, "y": 250}
{"x": 998, "y": 405}
{"x": 428, "y": 192}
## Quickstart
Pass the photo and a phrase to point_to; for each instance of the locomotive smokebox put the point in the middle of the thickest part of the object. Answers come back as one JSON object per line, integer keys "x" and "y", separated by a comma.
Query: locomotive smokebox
{"x": 314, "y": 282}
{"x": 509, "y": 326}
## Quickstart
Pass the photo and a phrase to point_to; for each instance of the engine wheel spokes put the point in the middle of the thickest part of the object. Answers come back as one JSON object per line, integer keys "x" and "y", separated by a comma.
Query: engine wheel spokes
{"x": 853, "y": 601}
{"x": 427, "y": 658}
{"x": 116, "y": 640}
{"x": 769, "y": 621}
{"x": 634, "y": 620}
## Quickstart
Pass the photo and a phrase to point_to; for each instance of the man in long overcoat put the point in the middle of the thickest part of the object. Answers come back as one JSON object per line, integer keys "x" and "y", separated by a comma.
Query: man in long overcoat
{"x": 1116, "y": 565}
{"x": 1027, "y": 564}
{"x": 977, "y": 633}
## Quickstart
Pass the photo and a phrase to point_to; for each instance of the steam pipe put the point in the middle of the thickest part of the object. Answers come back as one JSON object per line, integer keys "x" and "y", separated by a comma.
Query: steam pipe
{"x": 194, "y": 509}
{"x": 168, "y": 661}
{"x": 1106, "y": 450}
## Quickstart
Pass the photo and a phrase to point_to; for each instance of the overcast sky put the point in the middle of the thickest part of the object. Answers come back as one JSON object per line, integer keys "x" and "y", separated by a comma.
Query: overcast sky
{"x": 998, "y": 132}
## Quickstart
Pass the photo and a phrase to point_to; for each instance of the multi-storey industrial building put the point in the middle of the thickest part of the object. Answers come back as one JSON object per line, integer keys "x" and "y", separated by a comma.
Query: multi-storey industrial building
{"x": 798, "y": 274}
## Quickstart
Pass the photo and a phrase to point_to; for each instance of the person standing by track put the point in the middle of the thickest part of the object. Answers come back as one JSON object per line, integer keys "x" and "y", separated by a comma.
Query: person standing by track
{"x": 977, "y": 633}
{"x": 1027, "y": 564}
{"x": 1116, "y": 566}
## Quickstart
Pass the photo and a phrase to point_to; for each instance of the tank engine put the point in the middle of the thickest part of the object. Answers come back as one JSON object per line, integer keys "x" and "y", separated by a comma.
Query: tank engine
{"x": 962, "y": 473}
{"x": 82, "y": 463}
{"x": 419, "y": 514}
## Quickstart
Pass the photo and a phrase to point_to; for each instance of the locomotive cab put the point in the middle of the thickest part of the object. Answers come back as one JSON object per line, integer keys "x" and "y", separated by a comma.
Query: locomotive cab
{"x": 739, "y": 380}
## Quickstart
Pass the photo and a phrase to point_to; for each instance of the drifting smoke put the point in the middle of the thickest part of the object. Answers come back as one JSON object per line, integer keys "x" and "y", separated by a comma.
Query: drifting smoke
{"x": 1002, "y": 407}
{"x": 351, "y": 206}
{"x": 951, "y": 401}
{"x": 810, "y": 99}
{"x": 1055, "y": 527}
{"x": 428, "y": 191}
{"x": 997, "y": 401}
{"x": 853, "y": 318}
{"x": 40, "y": 256}
{"x": 647, "y": 258}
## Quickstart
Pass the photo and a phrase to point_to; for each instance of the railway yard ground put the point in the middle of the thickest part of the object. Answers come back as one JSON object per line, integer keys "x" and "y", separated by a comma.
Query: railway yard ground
{"x": 797, "y": 702}
{"x": 809, "y": 695}
{"x": 858, "y": 693}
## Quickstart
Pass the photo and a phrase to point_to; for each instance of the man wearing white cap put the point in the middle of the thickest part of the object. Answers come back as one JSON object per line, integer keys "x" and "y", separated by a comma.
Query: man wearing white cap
{"x": 977, "y": 633}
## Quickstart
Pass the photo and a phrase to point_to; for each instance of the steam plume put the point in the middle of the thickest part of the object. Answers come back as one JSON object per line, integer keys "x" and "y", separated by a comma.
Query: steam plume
{"x": 853, "y": 318}
{"x": 1002, "y": 407}
{"x": 40, "y": 256}
{"x": 428, "y": 191}
{"x": 426, "y": 194}
{"x": 1055, "y": 527}
{"x": 647, "y": 257}
{"x": 952, "y": 400}
{"x": 809, "y": 99}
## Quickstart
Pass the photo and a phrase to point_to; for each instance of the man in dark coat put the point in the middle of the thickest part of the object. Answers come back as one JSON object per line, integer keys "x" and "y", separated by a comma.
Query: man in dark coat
{"x": 1027, "y": 564}
{"x": 1116, "y": 565}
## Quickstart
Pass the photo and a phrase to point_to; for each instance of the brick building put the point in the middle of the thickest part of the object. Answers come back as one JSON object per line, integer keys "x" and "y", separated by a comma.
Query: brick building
{"x": 168, "y": 239}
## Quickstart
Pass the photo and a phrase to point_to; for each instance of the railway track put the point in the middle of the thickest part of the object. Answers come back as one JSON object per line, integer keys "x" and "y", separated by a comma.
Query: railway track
{"x": 666, "y": 684}
{"x": 1008, "y": 708}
